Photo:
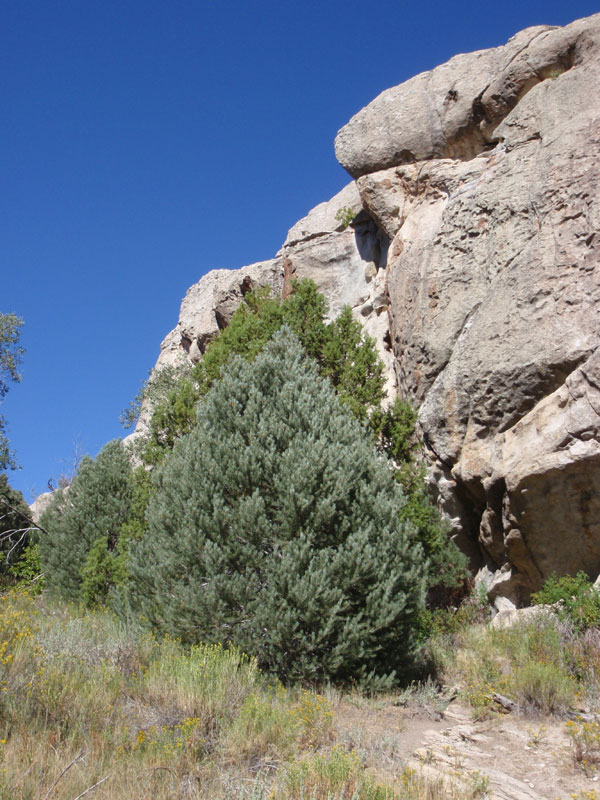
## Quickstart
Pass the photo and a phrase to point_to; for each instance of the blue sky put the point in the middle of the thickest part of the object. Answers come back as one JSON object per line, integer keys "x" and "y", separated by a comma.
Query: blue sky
{"x": 145, "y": 143}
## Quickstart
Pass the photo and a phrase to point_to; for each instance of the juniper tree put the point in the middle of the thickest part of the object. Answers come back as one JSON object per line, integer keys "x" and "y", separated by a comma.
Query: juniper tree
{"x": 83, "y": 525}
{"x": 275, "y": 525}
{"x": 341, "y": 349}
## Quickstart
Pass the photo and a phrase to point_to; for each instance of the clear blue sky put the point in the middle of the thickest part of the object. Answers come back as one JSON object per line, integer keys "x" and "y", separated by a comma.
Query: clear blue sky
{"x": 145, "y": 143}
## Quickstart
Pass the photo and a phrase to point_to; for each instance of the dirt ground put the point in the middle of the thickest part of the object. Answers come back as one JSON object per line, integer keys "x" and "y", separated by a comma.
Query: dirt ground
{"x": 524, "y": 758}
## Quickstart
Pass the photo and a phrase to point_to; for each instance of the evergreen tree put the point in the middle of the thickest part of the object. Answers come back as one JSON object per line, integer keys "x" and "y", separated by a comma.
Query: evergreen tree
{"x": 15, "y": 525}
{"x": 275, "y": 525}
{"x": 341, "y": 349}
{"x": 84, "y": 523}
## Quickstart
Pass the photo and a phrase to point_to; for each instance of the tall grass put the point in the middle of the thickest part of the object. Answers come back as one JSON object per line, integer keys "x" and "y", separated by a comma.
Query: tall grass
{"x": 90, "y": 707}
{"x": 118, "y": 706}
{"x": 544, "y": 665}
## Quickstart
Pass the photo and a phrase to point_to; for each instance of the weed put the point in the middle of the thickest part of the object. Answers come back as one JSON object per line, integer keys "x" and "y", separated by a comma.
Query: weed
{"x": 479, "y": 785}
{"x": 425, "y": 694}
{"x": 536, "y": 737}
{"x": 345, "y": 216}
{"x": 338, "y": 775}
{"x": 585, "y": 742}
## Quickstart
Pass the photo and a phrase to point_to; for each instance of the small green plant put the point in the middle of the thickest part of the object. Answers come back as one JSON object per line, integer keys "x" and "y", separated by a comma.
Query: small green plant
{"x": 585, "y": 742}
{"x": 27, "y": 570}
{"x": 574, "y": 597}
{"x": 345, "y": 216}
{"x": 479, "y": 785}
{"x": 337, "y": 774}
{"x": 536, "y": 737}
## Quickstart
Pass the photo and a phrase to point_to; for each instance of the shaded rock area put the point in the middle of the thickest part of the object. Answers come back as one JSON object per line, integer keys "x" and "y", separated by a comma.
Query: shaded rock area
{"x": 473, "y": 262}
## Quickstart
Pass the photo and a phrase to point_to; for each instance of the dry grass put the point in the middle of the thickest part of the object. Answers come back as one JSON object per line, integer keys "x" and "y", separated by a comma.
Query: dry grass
{"x": 543, "y": 665}
{"x": 92, "y": 708}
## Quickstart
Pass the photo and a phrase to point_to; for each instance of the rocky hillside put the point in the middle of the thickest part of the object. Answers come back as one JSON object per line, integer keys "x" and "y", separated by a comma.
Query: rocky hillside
{"x": 472, "y": 259}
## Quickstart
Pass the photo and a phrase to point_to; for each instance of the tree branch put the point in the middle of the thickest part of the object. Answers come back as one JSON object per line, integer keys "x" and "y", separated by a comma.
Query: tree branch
{"x": 24, "y": 516}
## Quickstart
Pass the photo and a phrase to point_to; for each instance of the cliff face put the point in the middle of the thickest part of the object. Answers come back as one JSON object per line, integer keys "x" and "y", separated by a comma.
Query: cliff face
{"x": 473, "y": 262}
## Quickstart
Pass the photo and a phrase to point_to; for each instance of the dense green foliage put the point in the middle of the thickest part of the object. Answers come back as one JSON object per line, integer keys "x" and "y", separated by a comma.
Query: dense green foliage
{"x": 286, "y": 512}
{"x": 14, "y": 525}
{"x": 344, "y": 354}
{"x": 575, "y": 597}
{"x": 10, "y": 357}
{"x": 348, "y": 358}
{"x": 275, "y": 525}
{"x": 80, "y": 554}
{"x": 395, "y": 434}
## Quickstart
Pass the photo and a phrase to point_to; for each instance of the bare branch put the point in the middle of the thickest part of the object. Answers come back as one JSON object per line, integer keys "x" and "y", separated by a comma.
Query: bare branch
{"x": 92, "y": 787}
{"x": 77, "y": 758}
{"x": 24, "y": 516}
{"x": 15, "y": 545}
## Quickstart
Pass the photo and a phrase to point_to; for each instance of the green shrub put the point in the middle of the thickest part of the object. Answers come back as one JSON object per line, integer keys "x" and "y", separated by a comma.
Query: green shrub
{"x": 275, "y": 525}
{"x": 348, "y": 358}
{"x": 27, "y": 569}
{"x": 337, "y": 774}
{"x": 83, "y": 524}
{"x": 103, "y": 568}
{"x": 274, "y": 723}
{"x": 342, "y": 351}
{"x": 15, "y": 528}
{"x": 546, "y": 687}
{"x": 395, "y": 432}
{"x": 576, "y": 598}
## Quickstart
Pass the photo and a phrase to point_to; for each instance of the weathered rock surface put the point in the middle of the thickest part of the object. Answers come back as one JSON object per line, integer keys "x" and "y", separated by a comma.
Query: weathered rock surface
{"x": 474, "y": 257}
{"x": 209, "y": 305}
{"x": 494, "y": 288}
{"x": 453, "y": 111}
{"x": 39, "y": 505}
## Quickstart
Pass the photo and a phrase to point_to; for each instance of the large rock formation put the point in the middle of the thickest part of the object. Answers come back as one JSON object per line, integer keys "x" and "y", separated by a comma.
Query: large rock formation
{"x": 474, "y": 257}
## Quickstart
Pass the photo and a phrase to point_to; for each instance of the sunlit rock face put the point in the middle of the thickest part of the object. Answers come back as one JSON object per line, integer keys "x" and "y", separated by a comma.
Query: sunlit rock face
{"x": 484, "y": 173}
{"x": 472, "y": 259}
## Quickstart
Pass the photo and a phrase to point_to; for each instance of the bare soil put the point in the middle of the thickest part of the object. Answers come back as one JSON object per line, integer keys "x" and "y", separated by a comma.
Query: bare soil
{"x": 524, "y": 758}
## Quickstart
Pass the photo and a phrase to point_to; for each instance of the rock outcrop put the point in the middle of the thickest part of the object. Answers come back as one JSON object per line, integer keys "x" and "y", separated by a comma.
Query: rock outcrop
{"x": 39, "y": 505}
{"x": 473, "y": 261}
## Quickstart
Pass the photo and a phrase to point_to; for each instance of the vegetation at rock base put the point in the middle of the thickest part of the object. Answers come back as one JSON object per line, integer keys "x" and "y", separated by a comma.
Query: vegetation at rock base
{"x": 348, "y": 358}
{"x": 106, "y": 530}
{"x": 573, "y": 597}
{"x": 276, "y": 526}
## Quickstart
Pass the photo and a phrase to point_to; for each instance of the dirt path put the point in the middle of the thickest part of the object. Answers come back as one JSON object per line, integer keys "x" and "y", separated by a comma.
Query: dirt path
{"x": 524, "y": 759}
